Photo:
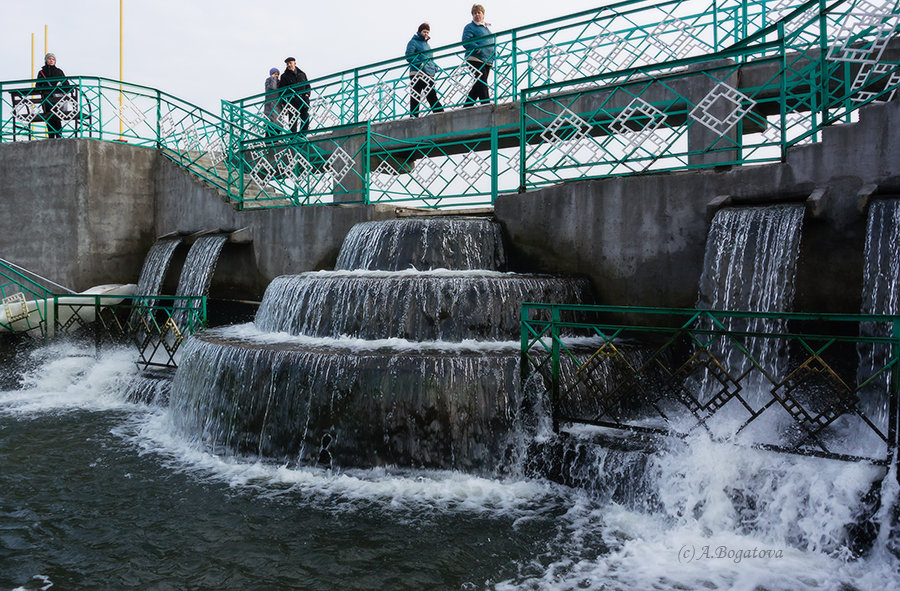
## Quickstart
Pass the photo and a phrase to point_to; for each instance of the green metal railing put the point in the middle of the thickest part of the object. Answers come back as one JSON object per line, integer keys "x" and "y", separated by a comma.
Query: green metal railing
{"x": 831, "y": 389}
{"x": 745, "y": 105}
{"x": 608, "y": 38}
{"x": 324, "y": 167}
{"x": 775, "y": 86}
{"x": 109, "y": 110}
{"x": 155, "y": 325}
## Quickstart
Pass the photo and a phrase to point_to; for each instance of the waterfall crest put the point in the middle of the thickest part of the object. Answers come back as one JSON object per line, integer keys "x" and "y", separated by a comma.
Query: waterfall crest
{"x": 156, "y": 263}
{"x": 416, "y": 306}
{"x": 423, "y": 244}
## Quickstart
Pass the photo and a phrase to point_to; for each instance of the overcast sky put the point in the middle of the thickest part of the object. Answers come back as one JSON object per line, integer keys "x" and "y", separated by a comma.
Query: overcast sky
{"x": 204, "y": 51}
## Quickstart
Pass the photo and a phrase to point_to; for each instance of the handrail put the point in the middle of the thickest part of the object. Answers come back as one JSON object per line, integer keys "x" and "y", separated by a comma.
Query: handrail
{"x": 674, "y": 371}
{"x": 818, "y": 65}
{"x": 24, "y": 271}
{"x": 527, "y": 49}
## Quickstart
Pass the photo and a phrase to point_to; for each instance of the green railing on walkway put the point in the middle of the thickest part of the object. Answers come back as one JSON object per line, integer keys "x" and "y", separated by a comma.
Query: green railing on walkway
{"x": 775, "y": 86}
{"x": 323, "y": 167}
{"x": 155, "y": 325}
{"x": 745, "y": 105}
{"x": 816, "y": 384}
{"x": 608, "y": 38}
{"x": 109, "y": 110}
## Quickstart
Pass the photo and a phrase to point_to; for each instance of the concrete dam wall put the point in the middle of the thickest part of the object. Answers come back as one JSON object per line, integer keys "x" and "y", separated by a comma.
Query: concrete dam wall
{"x": 83, "y": 212}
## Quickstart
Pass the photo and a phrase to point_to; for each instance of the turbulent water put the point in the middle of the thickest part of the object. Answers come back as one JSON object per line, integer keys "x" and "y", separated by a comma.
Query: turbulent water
{"x": 881, "y": 295}
{"x": 98, "y": 493}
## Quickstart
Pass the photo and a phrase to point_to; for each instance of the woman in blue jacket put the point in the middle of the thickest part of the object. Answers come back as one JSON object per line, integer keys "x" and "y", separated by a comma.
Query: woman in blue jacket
{"x": 479, "y": 53}
{"x": 421, "y": 71}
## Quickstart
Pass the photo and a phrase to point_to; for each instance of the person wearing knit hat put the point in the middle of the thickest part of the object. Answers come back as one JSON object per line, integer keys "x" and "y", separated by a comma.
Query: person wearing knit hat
{"x": 295, "y": 95}
{"x": 50, "y": 79}
{"x": 422, "y": 70}
{"x": 270, "y": 106}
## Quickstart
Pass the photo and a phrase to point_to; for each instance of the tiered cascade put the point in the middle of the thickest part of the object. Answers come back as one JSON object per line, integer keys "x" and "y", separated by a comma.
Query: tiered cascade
{"x": 408, "y": 355}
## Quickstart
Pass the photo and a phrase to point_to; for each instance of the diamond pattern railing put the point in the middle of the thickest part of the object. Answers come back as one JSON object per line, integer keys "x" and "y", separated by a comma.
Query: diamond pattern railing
{"x": 631, "y": 88}
{"x": 315, "y": 168}
{"x": 155, "y": 325}
{"x": 589, "y": 43}
{"x": 108, "y": 110}
{"x": 443, "y": 171}
{"x": 677, "y": 372}
{"x": 745, "y": 105}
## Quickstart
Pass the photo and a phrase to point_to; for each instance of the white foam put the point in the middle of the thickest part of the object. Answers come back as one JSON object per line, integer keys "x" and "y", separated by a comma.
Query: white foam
{"x": 250, "y": 333}
{"x": 67, "y": 376}
{"x": 411, "y": 272}
{"x": 394, "y": 489}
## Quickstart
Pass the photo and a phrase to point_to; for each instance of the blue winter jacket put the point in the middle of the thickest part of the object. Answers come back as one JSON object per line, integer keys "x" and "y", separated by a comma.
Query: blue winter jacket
{"x": 419, "y": 61}
{"x": 482, "y": 49}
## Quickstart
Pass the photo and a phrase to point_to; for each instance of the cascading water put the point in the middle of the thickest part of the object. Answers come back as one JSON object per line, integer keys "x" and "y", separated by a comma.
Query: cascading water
{"x": 750, "y": 265}
{"x": 200, "y": 265}
{"x": 407, "y": 356}
{"x": 196, "y": 275}
{"x": 423, "y": 244}
{"x": 156, "y": 263}
{"x": 881, "y": 295}
{"x": 661, "y": 514}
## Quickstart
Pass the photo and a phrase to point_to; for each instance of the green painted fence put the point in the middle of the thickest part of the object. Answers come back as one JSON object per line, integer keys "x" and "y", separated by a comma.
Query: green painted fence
{"x": 816, "y": 384}
{"x": 667, "y": 97}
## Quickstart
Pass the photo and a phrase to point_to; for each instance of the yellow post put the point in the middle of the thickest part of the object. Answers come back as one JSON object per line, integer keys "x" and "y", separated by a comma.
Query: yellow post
{"x": 31, "y": 75}
{"x": 121, "y": 61}
{"x": 45, "y": 40}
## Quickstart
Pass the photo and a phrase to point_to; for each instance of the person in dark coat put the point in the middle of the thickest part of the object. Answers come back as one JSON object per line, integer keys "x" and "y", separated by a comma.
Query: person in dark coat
{"x": 50, "y": 79}
{"x": 421, "y": 71}
{"x": 299, "y": 97}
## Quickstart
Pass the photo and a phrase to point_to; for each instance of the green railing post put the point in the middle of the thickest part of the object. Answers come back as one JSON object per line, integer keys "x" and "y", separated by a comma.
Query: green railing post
{"x": 356, "y": 95}
{"x": 554, "y": 361}
{"x": 522, "y": 139}
{"x": 715, "y": 25}
{"x": 495, "y": 169}
{"x": 367, "y": 162}
{"x": 97, "y": 334}
{"x": 55, "y": 317}
{"x": 158, "y": 117}
{"x": 894, "y": 400}
{"x": 515, "y": 65}
{"x": 782, "y": 100}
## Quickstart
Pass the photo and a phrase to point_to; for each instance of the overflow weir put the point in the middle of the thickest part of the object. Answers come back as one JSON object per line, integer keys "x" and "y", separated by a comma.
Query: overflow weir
{"x": 610, "y": 322}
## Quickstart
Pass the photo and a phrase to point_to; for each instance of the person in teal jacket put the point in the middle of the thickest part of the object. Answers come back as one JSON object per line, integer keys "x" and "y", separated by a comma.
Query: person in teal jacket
{"x": 421, "y": 71}
{"x": 479, "y": 53}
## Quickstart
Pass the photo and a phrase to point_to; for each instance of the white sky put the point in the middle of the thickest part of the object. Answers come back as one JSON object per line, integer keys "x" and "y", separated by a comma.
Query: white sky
{"x": 204, "y": 51}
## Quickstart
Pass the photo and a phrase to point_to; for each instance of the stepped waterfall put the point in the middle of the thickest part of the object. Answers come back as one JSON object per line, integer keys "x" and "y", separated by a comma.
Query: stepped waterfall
{"x": 304, "y": 449}
{"x": 405, "y": 355}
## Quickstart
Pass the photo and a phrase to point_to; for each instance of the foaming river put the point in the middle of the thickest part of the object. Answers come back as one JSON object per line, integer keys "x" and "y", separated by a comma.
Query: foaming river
{"x": 100, "y": 493}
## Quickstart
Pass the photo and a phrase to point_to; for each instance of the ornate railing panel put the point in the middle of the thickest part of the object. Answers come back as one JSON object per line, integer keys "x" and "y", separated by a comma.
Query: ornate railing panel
{"x": 659, "y": 101}
{"x": 98, "y": 108}
{"x": 744, "y": 105}
{"x": 606, "y": 39}
{"x": 444, "y": 171}
{"x": 315, "y": 168}
{"x": 680, "y": 372}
